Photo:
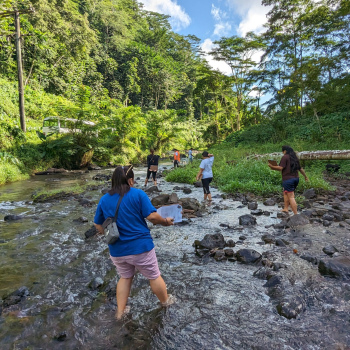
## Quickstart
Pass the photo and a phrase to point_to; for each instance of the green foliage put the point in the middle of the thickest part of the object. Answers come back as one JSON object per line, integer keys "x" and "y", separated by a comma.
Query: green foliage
{"x": 184, "y": 175}
{"x": 11, "y": 170}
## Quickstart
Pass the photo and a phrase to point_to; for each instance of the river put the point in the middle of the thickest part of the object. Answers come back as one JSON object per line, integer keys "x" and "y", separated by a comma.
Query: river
{"x": 220, "y": 304}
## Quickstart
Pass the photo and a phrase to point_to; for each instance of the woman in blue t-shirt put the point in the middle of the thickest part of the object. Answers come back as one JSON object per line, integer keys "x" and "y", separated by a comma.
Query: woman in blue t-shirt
{"x": 134, "y": 250}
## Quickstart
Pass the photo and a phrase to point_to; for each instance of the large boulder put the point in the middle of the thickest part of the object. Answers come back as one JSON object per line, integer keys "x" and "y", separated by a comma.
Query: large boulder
{"x": 190, "y": 203}
{"x": 248, "y": 256}
{"x": 211, "y": 241}
{"x": 198, "y": 184}
{"x": 162, "y": 199}
{"x": 298, "y": 220}
{"x": 247, "y": 220}
{"x": 338, "y": 267}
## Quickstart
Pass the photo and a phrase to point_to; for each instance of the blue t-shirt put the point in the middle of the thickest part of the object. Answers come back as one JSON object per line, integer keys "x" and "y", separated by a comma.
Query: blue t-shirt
{"x": 190, "y": 154}
{"x": 207, "y": 164}
{"x": 135, "y": 237}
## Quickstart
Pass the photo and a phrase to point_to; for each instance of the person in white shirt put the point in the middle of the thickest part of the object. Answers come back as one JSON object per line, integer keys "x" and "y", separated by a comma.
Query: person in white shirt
{"x": 206, "y": 173}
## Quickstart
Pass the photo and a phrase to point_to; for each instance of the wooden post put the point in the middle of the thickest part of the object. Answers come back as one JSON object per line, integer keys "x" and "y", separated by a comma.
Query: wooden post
{"x": 20, "y": 72}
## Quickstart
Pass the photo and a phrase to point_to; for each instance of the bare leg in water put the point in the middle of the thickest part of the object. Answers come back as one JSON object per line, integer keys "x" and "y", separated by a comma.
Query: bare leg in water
{"x": 123, "y": 291}
{"x": 292, "y": 202}
{"x": 286, "y": 202}
{"x": 159, "y": 289}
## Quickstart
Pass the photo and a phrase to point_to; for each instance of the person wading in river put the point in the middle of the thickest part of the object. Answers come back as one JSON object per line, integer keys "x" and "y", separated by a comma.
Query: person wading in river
{"x": 206, "y": 173}
{"x": 176, "y": 158}
{"x": 152, "y": 167}
{"x": 289, "y": 166}
{"x": 134, "y": 250}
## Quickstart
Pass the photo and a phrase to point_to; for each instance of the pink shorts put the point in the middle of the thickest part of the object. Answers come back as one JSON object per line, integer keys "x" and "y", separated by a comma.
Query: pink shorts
{"x": 146, "y": 263}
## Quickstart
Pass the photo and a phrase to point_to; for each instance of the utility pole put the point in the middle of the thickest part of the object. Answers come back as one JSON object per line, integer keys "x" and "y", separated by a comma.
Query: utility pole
{"x": 16, "y": 14}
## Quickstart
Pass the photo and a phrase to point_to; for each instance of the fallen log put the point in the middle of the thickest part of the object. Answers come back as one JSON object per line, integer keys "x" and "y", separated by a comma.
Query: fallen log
{"x": 310, "y": 155}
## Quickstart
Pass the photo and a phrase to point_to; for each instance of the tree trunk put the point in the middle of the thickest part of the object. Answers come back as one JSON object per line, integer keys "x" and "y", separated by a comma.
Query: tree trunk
{"x": 312, "y": 155}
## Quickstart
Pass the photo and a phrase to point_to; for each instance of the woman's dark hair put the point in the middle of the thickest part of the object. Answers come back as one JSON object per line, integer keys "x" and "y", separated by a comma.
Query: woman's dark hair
{"x": 120, "y": 179}
{"x": 205, "y": 154}
{"x": 294, "y": 161}
{"x": 151, "y": 150}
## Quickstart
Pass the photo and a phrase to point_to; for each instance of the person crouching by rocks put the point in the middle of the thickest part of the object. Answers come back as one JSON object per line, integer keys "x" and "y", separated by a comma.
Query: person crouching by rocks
{"x": 152, "y": 167}
{"x": 134, "y": 249}
{"x": 176, "y": 158}
{"x": 206, "y": 173}
{"x": 289, "y": 166}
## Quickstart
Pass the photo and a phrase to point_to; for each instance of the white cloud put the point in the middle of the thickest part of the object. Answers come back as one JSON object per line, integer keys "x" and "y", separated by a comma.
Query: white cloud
{"x": 217, "y": 13}
{"x": 253, "y": 15}
{"x": 179, "y": 18}
{"x": 221, "y": 66}
{"x": 222, "y": 29}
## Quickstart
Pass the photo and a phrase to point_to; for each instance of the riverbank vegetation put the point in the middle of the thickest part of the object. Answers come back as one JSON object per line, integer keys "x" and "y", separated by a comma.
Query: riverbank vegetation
{"x": 143, "y": 85}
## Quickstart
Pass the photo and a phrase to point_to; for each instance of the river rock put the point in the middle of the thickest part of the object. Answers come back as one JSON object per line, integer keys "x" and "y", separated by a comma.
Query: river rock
{"x": 263, "y": 273}
{"x": 330, "y": 250}
{"x": 257, "y": 212}
{"x": 242, "y": 238}
{"x": 280, "y": 243}
{"x": 16, "y": 296}
{"x": 209, "y": 241}
{"x": 247, "y": 220}
{"x": 102, "y": 177}
{"x": 198, "y": 184}
{"x": 269, "y": 202}
{"x": 309, "y": 258}
{"x": 310, "y": 193}
{"x": 86, "y": 202}
{"x": 90, "y": 232}
{"x": 162, "y": 199}
{"x": 187, "y": 190}
{"x": 268, "y": 239}
{"x": 93, "y": 167}
{"x": 105, "y": 190}
{"x": 219, "y": 255}
{"x": 177, "y": 188}
{"x": 96, "y": 283}
{"x": 173, "y": 198}
{"x": 81, "y": 219}
{"x": 230, "y": 243}
{"x": 338, "y": 267}
{"x": 229, "y": 253}
{"x": 326, "y": 223}
{"x": 328, "y": 217}
{"x": 152, "y": 189}
{"x": 252, "y": 205}
{"x": 248, "y": 256}
{"x": 273, "y": 281}
{"x": 13, "y": 217}
{"x": 298, "y": 220}
{"x": 190, "y": 203}
{"x": 291, "y": 308}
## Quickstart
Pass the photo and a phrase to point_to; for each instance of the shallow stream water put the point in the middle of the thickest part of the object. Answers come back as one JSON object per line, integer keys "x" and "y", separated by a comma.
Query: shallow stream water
{"x": 220, "y": 305}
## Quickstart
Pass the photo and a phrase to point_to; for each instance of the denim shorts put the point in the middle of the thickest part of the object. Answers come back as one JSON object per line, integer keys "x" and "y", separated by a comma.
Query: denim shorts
{"x": 290, "y": 185}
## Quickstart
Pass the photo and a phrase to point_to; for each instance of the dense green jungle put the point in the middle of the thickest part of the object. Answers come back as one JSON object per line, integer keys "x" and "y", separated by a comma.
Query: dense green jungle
{"x": 143, "y": 85}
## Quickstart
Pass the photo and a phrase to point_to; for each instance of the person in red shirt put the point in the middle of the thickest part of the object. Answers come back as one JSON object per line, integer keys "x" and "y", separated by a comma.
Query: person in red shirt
{"x": 290, "y": 168}
{"x": 176, "y": 158}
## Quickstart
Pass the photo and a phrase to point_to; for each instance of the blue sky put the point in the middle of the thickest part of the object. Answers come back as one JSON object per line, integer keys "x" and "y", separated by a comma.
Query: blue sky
{"x": 211, "y": 19}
